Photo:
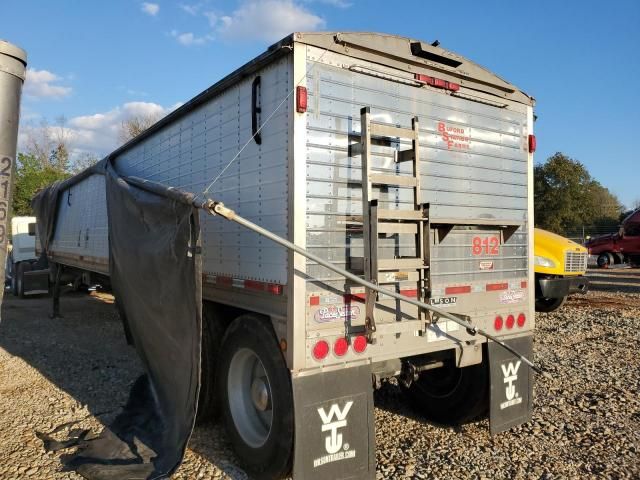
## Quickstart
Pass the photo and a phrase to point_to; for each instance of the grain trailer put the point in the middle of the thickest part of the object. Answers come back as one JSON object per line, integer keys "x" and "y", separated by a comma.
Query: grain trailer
{"x": 395, "y": 159}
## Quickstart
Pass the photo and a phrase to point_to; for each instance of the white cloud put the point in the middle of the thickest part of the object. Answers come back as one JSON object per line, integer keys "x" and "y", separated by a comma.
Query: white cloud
{"x": 97, "y": 133}
{"x": 212, "y": 17}
{"x": 190, "y": 9}
{"x": 150, "y": 8}
{"x": 268, "y": 20}
{"x": 40, "y": 84}
{"x": 188, "y": 38}
{"x": 333, "y": 3}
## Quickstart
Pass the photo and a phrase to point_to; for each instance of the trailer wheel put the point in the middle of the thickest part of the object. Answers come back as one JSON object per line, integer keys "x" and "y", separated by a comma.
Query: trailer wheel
{"x": 14, "y": 280}
{"x": 605, "y": 260}
{"x": 549, "y": 304}
{"x": 212, "y": 332}
{"x": 256, "y": 397}
{"x": 450, "y": 395}
{"x": 22, "y": 267}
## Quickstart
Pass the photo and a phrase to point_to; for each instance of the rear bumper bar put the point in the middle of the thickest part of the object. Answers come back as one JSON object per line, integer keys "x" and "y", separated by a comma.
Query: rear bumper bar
{"x": 563, "y": 286}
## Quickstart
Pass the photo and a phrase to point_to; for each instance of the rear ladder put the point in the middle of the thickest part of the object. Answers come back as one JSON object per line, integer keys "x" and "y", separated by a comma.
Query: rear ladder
{"x": 377, "y": 221}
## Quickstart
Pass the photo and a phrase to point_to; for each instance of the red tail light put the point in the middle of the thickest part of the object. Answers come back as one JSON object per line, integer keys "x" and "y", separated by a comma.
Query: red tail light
{"x": 301, "y": 99}
{"x": 532, "y": 143}
{"x": 359, "y": 344}
{"x": 497, "y": 323}
{"x": 437, "y": 82}
{"x": 521, "y": 320}
{"x": 320, "y": 350}
{"x": 341, "y": 346}
{"x": 510, "y": 321}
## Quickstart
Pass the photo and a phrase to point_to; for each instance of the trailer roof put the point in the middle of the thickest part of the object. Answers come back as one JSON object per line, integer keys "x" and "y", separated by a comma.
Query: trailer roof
{"x": 403, "y": 52}
{"x": 390, "y": 50}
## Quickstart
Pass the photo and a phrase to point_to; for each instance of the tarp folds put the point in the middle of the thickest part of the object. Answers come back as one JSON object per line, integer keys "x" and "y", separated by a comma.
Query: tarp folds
{"x": 155, "y": 269}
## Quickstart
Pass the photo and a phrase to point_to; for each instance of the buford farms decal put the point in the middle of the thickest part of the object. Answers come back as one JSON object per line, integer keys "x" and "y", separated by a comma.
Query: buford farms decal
{"x": 454, "y": 136}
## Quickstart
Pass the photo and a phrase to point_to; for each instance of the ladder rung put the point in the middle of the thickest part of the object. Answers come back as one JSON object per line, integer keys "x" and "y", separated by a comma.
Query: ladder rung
{"x": 404, "y": 156}
{"x": 389, "y": 131}
{"x": 355, "y": 149}
{"x": 382, "y": 179}
{"x": 378, "y": 141}
{"x": 400, "y": 214}
{"x": 356, "y": 264}
{"x": 393, "y": 277}
{"x": 399, "y": 263}
{"x": 392, "y": 227}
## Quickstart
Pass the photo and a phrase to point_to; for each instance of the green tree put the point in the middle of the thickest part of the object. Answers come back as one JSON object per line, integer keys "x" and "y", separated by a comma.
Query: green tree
{"x": 566, "y": 196}
{"x": 82, "y": 162}
{"x": 31, "y": 176}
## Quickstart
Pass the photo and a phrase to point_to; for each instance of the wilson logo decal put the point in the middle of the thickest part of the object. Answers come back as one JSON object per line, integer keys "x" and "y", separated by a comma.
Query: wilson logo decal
{"x": 332, "y": 422}
{"x": 510, "y": 373}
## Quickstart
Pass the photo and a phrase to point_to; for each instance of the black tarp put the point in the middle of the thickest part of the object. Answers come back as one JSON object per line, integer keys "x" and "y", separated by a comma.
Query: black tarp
{"x": 155, "y": 269}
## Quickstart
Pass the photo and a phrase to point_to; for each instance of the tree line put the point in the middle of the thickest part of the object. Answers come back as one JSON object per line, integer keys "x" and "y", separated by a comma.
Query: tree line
{"x": 46, "y": 155}
{"x": 566, "y": 197}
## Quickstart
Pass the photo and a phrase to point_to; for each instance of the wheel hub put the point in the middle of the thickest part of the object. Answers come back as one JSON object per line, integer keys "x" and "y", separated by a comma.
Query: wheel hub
{"x": 250, "y": 398}
{"x": 260, "y": 394}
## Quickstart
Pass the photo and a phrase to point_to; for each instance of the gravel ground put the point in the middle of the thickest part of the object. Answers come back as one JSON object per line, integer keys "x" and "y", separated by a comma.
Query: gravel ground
{"x": 586, "y": 421}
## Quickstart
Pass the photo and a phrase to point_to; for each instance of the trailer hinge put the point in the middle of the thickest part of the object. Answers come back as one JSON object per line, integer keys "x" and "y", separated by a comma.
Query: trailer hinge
{"x": 218, "y": 208}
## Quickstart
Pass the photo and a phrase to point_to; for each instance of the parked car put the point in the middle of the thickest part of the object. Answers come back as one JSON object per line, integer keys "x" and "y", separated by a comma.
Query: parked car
{"x": 560, "y": 267}
{"x": 621, "y": 247}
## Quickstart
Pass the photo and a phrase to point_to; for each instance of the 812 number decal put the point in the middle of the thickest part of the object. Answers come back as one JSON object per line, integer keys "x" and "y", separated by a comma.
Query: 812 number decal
{"x": 486, "y": 245}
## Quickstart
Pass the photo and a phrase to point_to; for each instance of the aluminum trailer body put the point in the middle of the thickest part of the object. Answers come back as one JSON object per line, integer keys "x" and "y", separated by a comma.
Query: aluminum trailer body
{"x": 299, "y": 178}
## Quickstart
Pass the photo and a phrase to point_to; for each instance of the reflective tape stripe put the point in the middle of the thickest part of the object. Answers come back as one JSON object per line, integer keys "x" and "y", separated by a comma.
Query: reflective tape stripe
{"x": 224, "y": 281}
{"x": 457, "y": 289}
{"x": 492, "y": 287}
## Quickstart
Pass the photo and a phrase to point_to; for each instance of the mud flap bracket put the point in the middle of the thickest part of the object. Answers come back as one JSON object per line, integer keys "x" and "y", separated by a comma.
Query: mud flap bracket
{"x": 334, "y": 425}
{"x": 511, "y": 384}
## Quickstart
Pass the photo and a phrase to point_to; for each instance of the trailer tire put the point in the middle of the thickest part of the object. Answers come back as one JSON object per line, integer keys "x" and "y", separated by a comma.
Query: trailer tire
{"x": 14, "y": 280}
{"x": 256, "y": 398}
{"x": 78, "y": 286}
{"x": 547, "y": 305}
{"x": 22, "y": 267}
{"x": 605, "y": 260}
{"x": 450, "y": 395}
{"x": 212, "y": 333}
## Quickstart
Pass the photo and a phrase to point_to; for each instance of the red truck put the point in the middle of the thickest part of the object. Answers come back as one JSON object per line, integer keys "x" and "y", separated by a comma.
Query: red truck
{"x": 621, "y": 247}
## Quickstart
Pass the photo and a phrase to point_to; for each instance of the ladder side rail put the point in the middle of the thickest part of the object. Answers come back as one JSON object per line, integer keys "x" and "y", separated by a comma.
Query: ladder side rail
{"x": 369, "y": 252}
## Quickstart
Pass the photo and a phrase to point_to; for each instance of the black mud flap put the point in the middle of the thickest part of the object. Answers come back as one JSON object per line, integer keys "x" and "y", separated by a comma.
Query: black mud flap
{"x": 36, "y": 282}
{"x": 335, "y": 429}
{"x": 511, "y": 384}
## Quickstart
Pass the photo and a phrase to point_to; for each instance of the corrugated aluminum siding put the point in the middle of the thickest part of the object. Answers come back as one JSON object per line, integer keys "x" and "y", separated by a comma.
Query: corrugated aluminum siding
{"x": 452, "y": 260}
{"x": 81, "y": 227}
{"x": 486, "y": 181}
{"x": 192, "y": 151}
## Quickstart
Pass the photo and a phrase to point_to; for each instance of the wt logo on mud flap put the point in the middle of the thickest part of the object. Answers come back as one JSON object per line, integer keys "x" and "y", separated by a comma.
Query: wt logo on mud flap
{"x": 332, "y": 421}
{"x": 510, "y": 373}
